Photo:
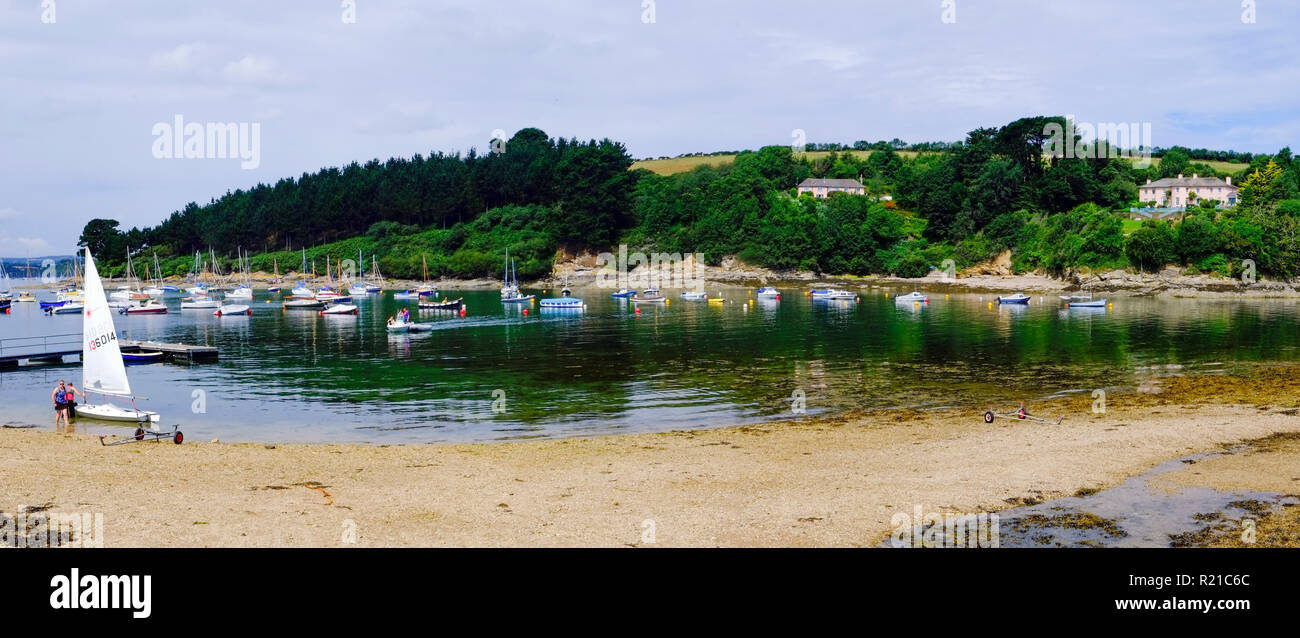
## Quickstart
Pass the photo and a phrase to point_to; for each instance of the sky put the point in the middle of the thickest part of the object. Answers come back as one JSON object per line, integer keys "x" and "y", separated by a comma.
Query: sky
{"x": 86, "y": 84}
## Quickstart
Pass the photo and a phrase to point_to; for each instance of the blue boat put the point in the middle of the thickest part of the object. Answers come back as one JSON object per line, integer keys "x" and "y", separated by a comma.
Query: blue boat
{"x": 569, "y": 303}
{"x": 141, "y": 357}
{"x": 1018, "y": 298}
{"x": 624, "y": 293}
{"x": 45, "y": 305}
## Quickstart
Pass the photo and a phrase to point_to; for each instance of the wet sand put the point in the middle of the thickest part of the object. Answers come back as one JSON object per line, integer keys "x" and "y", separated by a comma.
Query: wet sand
{"x": 814, "y": 482}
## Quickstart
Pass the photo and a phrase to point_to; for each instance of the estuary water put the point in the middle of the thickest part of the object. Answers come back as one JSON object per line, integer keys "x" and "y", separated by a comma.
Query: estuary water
{"x": 505, "y": 372}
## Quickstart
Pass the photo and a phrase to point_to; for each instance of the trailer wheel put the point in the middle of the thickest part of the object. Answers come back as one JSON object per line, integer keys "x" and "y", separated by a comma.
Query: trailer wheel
{"x": 178, "y": 438}
{"x": 139, "y": 434}
{"x": 988, "y": 416}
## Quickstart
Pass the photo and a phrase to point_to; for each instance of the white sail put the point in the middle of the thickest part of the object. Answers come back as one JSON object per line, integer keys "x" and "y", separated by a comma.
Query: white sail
{"x": 102, "y": 369}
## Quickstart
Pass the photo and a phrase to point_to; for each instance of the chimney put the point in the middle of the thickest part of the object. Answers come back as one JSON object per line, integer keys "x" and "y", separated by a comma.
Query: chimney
{"x": 1148, "y": 180}
{"x": 1229, "y": 178}
{"x": 1180, "y": 176}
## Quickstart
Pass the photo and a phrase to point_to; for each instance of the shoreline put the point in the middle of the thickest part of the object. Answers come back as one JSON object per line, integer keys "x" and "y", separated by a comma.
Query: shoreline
{"x": 828, "y": 481}
{"x": 1117, "y": 283}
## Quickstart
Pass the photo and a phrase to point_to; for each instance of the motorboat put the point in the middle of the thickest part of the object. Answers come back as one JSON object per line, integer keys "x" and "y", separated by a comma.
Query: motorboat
{"x": 231, "y": 310}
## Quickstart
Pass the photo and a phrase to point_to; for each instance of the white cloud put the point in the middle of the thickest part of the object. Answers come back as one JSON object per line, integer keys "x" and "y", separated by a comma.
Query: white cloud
{"x": 252, "y": 70}
{"x": 178, "y": 59}
{"x": 22, "y": 246}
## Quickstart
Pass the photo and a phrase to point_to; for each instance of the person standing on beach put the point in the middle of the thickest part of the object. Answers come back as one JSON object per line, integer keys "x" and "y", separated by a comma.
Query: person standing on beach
{"x": 72, "y": 401}
{"x": 60, "y": 404}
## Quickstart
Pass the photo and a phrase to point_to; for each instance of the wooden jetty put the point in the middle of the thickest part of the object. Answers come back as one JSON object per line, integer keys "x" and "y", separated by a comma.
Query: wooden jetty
{"x": 172, "y": 351}
{"x": 18, "y": 351}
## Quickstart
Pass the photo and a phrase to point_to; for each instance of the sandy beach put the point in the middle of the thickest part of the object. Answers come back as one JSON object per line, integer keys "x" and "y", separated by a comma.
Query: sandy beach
{"x": 831, "y": 481}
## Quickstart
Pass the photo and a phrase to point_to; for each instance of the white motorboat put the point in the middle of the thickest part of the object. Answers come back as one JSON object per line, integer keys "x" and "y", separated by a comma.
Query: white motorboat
{"x": 199, "y": 303}
{"x": 340, "y": 309}
{"x": 767, "y": 292}
{"x": 695, "y": 295}
{"x": 303, "y": 303}
{"x": 913, "y": 297}
{"x": 240, "y": 292}
{"x": 831, "y": 294}
{"x": 233, "y": 310}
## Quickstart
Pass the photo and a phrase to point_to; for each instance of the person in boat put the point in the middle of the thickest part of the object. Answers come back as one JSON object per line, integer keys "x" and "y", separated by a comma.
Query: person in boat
{"x": 404, "y": 316}
{"x": 60, "y": 397}
{"x": 72, "y": 401}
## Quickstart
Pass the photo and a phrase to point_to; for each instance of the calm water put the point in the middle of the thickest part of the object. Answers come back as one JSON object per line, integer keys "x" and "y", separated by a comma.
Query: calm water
{"x": 296, "y": 376}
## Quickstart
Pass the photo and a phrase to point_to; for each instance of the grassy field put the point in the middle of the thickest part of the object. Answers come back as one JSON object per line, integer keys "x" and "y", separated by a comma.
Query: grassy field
{"x": 683, "y": 164}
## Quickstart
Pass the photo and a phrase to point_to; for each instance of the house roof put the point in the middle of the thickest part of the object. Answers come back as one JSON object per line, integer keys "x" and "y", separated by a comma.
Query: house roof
{"x": 1192, "y": 182}
{"x": 830, "y": 183}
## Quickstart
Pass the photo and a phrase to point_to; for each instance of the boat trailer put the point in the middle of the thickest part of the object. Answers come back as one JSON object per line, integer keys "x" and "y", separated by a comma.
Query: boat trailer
{"x": 1019, "y": 413}
{"x": 153, "y": 433}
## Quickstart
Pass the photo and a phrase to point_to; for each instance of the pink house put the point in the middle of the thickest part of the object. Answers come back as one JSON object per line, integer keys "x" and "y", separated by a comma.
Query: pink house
{"x": 1176, "y": 191}
{"x": 822, "y": 188}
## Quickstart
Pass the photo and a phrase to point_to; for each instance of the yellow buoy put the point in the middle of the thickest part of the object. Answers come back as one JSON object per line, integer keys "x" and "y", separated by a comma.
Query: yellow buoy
{"x": 667, "y": 301}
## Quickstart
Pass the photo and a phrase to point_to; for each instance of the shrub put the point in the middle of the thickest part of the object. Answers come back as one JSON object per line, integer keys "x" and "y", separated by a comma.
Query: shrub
{"x": 912, "y": 266}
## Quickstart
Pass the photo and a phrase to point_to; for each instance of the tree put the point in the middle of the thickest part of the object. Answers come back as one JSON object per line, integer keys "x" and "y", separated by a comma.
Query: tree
{"x": 1174, "y": 162}
{"x": 103, "y": 239}
{"x": 1151, "y": 246}
{"x": 1262, "y": 187}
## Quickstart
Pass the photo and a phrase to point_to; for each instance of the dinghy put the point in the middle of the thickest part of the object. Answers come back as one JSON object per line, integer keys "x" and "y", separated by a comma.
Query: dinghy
{"x": 694, "y": 295}
{"x": 340, "y": 309}
{"x": 232, "y": 310}
{"x": 398, "y": 326}
{"x": 767, "y": 292}
{"x": 103, "y": 370}
{"x": 1018, "y": 298}
{"x": 445, "y": 304}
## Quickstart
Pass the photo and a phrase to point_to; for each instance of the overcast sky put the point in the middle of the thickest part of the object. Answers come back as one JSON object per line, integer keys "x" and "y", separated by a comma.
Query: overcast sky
{"x": 82, "y": 95}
